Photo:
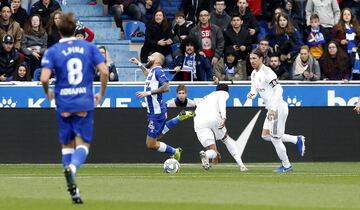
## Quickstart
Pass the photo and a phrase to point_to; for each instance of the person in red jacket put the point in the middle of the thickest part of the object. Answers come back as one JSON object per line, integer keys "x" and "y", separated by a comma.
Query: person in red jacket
{"x": 83, "y": 32}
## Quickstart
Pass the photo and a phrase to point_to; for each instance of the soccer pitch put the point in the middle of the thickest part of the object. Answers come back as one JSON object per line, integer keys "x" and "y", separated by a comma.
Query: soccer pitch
{"x": 145, "y": 186}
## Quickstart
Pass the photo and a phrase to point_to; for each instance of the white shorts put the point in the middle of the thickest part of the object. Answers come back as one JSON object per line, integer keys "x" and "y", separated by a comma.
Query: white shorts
{"x": 277, "y": 126}
{"x": 207, "y": 130}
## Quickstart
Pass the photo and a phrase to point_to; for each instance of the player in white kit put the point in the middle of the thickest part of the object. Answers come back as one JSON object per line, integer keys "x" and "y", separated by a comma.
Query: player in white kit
{"x": 209, "y": 125}
{"x": 264, "y": 81}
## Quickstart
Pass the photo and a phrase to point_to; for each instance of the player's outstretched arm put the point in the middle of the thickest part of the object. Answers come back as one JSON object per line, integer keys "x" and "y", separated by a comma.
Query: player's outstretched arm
{"x": 141, "y": 66}
{"x": 104, "y": 74}
{"x": 357, "y": 107}
{"x": 44, "y": 78}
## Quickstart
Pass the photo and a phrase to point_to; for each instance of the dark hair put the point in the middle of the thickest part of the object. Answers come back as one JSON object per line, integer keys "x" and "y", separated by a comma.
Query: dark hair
{"x": 188, "y": 41}
{"x": 28, "y": 27}
{"x": 67, "y": 25}
{"x": 258, "y": 52}
{"x": 220, "y": 1}
{"x": 164, "y": 25}
{"x": 236, "y": 14}
{"x": 180, "y": 14}
{"x": 27, "y": 75}
{"x": 80, "y": 31}
{"x": 341, "y": 58}
{"x": 223, "y": 87}
{"x": 180, "y": 88}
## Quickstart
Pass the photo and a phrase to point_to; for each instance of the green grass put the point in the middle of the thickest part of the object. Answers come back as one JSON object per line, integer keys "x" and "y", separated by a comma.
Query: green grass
{"x": 145, "y": 186}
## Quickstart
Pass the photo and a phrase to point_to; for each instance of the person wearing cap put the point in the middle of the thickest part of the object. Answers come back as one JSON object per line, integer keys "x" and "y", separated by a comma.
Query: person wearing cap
{"x": 9, "y": 26}
{"x": 209, "y": 125}
{"x": 9, "y": 58}
{"x": 229, "y": 68}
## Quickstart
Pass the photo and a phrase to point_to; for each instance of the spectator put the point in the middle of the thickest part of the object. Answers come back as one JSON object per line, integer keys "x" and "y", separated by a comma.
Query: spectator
{"x": 255, "y": 7}
{"x": 355, "y": 63}
{"x": 45, "y": 8}
{"x": 328, "y": 11}
{"x": 181, "y": 99}
{"x": 306, "y": 67}
{"x": 9, "y": 58}
{"x": 229, "y": 68}
{"x": 275, "y": 16}
{"x": 158, "y": 38}
{"x": 218, "y": 16}
{"x": 316, "y": 37}
{"x": 275, "y": 65}
{"x": 34, "y": 42}
{"x": 18, "y": 13}
{"x": 181, "y": 28}
{"x": 293, "y": 12}
{"x": 113, "y": 75}
{"x": 52, "y": 28}
{"x": 238, "y": 38}
{"x": 192, "y": 8}
{"x": 120, "y": 7}
{"x": 354, "y": 5}
{"x": 264, "y": 47}
{"x": 83, "y": 32}
{"x": 334, "y": 63}
{"x": 22, "y": 74}
{"x": 210, "y": 39}
{"x": 285, "y": 40}
{"x": 191, "y": 65}
{"x": 148, "y": 8}
{"x": 347, "y": 31}
{"x": 249, "y": 21}
{"x": 9, "y": 26}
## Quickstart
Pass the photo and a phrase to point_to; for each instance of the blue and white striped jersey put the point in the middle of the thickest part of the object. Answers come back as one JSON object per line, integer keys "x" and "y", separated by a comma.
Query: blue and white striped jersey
{"x": 154, "y": 80}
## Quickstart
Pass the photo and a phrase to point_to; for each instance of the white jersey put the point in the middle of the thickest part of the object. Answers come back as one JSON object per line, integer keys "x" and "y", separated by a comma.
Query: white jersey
{"x": 212, "y": 105}
{"x": 263, "y": 82}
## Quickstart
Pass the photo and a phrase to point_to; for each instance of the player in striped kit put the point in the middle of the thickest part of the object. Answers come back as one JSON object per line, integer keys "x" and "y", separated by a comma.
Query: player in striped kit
{"x": 156, "y": 84}
{"x": 264, "y": 81}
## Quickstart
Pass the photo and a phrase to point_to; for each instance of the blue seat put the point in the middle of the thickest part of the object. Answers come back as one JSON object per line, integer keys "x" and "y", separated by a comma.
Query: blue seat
{"x": 132, "y": 26}
{"x": 37, "y": 74}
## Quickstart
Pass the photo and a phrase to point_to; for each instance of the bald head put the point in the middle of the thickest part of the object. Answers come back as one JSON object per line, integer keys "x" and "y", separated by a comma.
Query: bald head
{"x": 156, "y": 59}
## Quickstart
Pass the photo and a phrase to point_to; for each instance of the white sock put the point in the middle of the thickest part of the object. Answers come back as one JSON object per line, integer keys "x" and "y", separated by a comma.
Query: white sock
{"x": 289, "y": 138}
{"x": 266, "y": 138}
{"x": 231, "y": 147}
{"x": 162, "y": 147}
{"x": 73, "y": 168}
{"x": 281, "y": 151}
{"x": 210, "y": 154}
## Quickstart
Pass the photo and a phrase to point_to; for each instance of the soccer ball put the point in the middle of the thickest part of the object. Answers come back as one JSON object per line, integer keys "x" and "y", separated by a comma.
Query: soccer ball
{"x": 171, "y": 166}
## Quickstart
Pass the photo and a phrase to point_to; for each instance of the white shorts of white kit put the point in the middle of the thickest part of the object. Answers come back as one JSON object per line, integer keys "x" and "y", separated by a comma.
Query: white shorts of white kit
{"x": 207, "y": 130}
{"x": 277, "y": 126}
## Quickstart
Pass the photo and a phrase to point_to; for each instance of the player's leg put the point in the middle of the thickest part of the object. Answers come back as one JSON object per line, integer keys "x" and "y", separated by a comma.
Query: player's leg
{"x": 231, "y": 147}
{"x": 299, "y": 140}
{"x": 268, "y": 134}
{"x": 183, "y": 115}
{"x": 66, "y": 138}
{"x": 207, "y": 140}
{"x": 154, "y": 132}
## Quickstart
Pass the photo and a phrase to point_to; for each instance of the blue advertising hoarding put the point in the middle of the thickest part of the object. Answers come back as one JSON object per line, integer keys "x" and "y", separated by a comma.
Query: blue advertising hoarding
{"x": 121, "y": 96}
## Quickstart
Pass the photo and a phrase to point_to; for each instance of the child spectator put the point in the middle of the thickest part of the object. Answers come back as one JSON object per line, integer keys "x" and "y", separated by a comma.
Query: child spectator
{"x": 316, "y": 37}
{"x": 181, "y": 99}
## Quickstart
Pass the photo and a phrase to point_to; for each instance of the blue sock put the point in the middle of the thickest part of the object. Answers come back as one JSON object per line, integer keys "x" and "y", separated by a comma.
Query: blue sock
{"x": 166, "y": 148}
{"x": 66, "y": 156}
{"x": 79, "y": 156}
{"x": 171, "y": 123}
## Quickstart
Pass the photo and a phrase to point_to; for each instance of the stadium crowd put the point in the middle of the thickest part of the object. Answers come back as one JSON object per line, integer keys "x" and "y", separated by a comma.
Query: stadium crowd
{"x": 204, "y": 40}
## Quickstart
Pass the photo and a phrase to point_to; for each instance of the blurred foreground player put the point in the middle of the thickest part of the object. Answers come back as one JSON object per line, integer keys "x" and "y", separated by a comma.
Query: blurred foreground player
{"x": 73, "y": 62}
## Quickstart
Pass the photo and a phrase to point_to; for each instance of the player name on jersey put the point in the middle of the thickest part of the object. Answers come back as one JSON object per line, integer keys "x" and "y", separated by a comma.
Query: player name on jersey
{"x": 75, "y": 49}
{"x": 72, "y": 91}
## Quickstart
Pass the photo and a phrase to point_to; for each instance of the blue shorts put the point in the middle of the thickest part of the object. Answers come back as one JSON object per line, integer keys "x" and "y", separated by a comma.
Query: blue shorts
{"x": 74, "y": 125}
{"x": 156, "y": 125}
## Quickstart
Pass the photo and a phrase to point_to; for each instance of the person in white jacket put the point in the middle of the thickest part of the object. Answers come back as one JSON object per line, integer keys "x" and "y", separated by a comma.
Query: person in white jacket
{"x": 209, "y": 125}
{"x": 264, "y": 81}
